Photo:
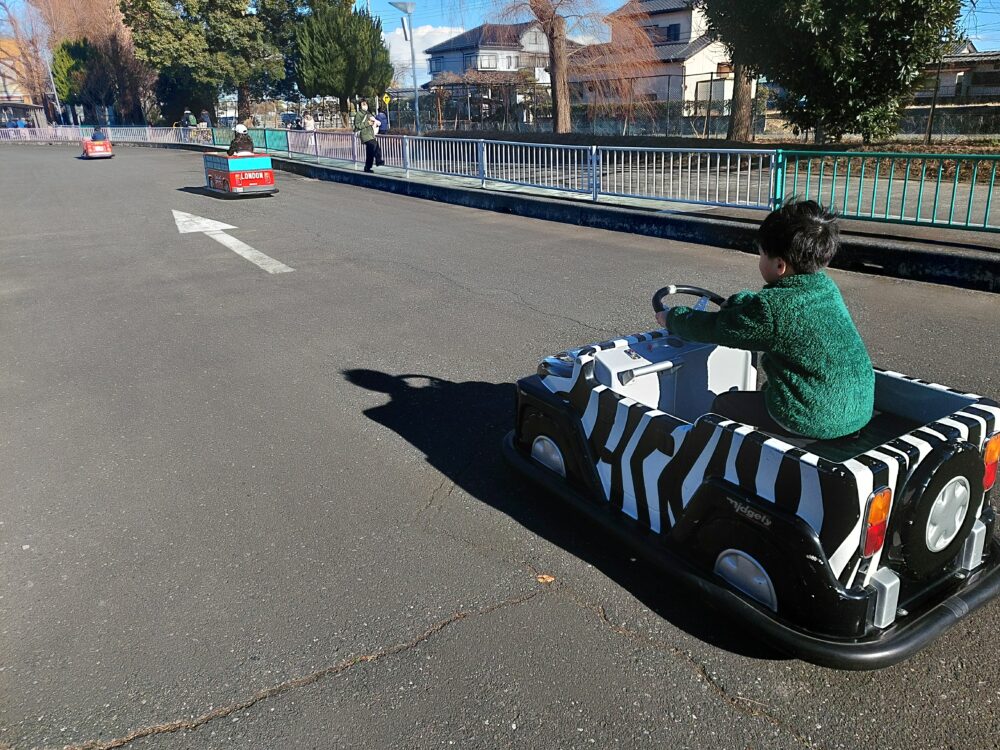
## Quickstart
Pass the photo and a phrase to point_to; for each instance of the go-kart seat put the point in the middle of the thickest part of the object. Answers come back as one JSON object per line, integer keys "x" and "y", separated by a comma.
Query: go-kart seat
{"x": 882, "y": 428}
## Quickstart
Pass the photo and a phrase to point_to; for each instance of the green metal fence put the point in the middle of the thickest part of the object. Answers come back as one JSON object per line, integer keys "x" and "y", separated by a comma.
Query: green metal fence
{"x": 264, "y": 139}
{"x": 944, "y": 190}
{"x": 940, "y": 190}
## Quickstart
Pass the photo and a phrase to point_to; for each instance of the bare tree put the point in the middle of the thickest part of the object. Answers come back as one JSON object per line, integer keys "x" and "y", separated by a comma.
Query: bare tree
{"x": 402, "y": 77}
{"x": 27, "y": 66}
{"x": 607, "y": 70}
{"x": 101, "y": 23}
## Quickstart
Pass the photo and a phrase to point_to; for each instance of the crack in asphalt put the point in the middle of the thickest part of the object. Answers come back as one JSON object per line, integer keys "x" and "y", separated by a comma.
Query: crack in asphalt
{"x": 309, "y": 679}
{"x": 432, "y": 498}
{"x": 517, "y": 296}
{"x": 742, "y": 705}
{"x": 745, "y": 706}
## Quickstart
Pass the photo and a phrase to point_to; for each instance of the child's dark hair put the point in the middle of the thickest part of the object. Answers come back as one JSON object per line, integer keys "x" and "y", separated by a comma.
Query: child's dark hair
{"x": 802, "y": 233}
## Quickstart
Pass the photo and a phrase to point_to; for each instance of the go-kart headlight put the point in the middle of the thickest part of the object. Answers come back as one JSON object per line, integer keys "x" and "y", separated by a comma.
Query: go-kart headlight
{"x": 558, "y": 365}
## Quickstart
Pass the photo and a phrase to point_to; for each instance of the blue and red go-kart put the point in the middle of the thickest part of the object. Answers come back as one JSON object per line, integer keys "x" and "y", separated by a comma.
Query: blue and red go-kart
{"x": 852, "y": 553}
{"x": 242, "y": 175}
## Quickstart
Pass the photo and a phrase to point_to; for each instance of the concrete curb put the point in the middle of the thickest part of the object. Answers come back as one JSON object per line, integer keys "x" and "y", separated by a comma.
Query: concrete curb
{"x": 966, "y": 268}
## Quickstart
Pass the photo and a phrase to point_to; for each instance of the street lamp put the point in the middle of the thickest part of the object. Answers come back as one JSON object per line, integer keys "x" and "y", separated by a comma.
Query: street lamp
{"x": 407, "y": 8}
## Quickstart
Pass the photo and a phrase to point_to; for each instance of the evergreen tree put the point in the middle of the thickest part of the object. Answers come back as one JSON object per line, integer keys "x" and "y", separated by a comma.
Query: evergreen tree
{"x": 209, "y": 43}
{"x": 341, "y": 54}
{"x": 844, "y": 64}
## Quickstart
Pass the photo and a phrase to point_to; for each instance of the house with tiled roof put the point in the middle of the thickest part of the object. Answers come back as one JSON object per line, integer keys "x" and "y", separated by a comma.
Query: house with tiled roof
{"x": 688, "y": 64}
{"x": 493, "y": 48}
{"x": 963, "y": 76}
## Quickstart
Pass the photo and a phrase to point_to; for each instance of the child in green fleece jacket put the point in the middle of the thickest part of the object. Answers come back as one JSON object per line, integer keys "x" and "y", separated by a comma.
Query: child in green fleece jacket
{"x": 820, "y": 381}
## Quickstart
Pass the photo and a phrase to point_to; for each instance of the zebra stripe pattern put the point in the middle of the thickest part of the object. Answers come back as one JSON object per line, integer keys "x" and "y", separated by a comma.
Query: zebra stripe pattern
{"x": 651, "y": 464}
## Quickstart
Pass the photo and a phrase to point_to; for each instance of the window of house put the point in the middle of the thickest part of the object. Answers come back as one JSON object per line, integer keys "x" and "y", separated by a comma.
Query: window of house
{"x": 535, "y": 38}
{"x": 673, "y": 32}
{"x": 469, "y": 62}
{"x": 512, "y": 63}
{"x": 437, "y": 64}
{"x": 488, "y": 62}
{"x": 985, "y": 77}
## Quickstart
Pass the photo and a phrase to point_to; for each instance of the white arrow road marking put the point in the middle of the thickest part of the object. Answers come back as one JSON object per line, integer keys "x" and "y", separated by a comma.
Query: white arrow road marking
{"x": 266, "y": 262}
{"x": 188, "y": 223}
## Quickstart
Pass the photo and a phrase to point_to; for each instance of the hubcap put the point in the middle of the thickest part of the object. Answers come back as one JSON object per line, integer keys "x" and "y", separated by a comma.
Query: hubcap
{"x": 743, "y": 572}
{"x": 547, "y": 453}
{"x": 948, "y": 514}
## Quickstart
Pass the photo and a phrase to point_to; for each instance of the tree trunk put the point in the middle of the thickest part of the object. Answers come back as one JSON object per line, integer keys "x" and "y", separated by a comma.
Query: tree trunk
{"x": 243, "y": 102}
{"x": 819, "y": 134}
{"x": 559, "y": 73}
{"x": 554, "y": 27}
{"x": 741, "y": 108}
{"x": 344, "y": 111}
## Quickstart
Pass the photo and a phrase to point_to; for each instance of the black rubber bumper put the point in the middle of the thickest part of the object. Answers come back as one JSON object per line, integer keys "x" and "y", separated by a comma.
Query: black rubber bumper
{"x": 889, "y": 647}
{"x": 236, "y": 196}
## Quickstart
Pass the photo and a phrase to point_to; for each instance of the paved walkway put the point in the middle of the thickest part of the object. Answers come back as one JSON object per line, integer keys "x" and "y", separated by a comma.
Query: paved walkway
{"x": 937, "y": 237}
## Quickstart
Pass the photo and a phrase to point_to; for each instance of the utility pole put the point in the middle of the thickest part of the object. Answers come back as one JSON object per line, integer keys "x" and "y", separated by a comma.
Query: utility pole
{"x": 55, "y": 93}
{"x": 930, "y": 115}
{"x": 407, "y": 8}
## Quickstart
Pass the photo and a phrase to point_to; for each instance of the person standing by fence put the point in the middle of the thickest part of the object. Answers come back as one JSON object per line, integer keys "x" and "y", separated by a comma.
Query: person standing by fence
{"x": 364, "y": 126}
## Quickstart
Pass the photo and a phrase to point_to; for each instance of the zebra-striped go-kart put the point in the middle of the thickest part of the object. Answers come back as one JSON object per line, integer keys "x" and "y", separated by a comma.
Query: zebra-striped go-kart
{"x": 851, "y": 553}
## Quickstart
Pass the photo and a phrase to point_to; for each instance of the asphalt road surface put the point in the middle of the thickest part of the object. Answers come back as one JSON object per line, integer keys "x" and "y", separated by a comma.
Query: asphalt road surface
{"x": 244, "y": 509}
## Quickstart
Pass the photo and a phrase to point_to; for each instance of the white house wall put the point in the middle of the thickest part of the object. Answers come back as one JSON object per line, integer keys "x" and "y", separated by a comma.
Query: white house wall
{"x": 703, "y": 67}
{"x": 533, "y": 41}
{"x": 692, "y": 23}
{"x": 699, "y": 24}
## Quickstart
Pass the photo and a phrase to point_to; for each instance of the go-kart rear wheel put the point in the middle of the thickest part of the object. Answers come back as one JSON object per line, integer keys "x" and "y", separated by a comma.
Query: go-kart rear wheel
{"x": 943, "y": 499}
{"x": 738, "y": 554}
{"x": 542, "y": 440}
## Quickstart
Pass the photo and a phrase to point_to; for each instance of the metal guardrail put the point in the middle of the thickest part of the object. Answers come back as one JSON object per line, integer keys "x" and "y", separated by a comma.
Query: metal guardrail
{"x": 716, "y": 177}
{"x": 923, "y": 189}
{"x": 941, "y": 190}
{"x": 571, "y": 169}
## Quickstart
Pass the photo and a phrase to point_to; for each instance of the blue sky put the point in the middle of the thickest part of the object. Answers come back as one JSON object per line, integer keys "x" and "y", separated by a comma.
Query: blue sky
{"x": 982, "y": 24}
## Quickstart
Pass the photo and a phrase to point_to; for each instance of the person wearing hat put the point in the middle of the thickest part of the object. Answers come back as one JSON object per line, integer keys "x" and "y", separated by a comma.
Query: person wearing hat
{"x": 241, "y": 143}
{"x": 364, "y": 125}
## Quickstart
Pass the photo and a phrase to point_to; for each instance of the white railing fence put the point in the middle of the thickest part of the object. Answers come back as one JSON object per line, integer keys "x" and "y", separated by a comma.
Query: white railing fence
{"x": 741, "y": 178}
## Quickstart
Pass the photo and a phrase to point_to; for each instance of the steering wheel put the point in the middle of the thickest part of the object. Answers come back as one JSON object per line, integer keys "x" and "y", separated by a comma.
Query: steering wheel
{"x": 705, "y": 295}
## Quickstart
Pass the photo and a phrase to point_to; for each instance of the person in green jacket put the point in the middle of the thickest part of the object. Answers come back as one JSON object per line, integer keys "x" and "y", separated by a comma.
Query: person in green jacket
{"x": 820, "y": 381}
{"x": 364, "y": 125}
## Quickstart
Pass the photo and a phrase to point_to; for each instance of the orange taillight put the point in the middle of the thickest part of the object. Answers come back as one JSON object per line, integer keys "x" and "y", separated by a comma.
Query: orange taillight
{"x": 878, "y": 518}
{"x": 991, "y": 456}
